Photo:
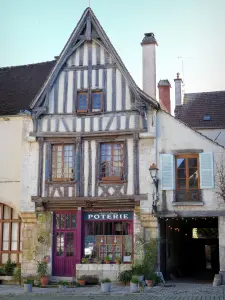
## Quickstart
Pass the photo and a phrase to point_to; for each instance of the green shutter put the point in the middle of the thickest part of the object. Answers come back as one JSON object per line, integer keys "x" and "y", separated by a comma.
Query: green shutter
{"x": 206, "y": 170}
{"x": 167, "y": 171}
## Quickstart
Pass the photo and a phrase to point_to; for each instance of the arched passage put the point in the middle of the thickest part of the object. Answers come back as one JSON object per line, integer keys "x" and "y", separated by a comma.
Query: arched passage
{"x": 10, "y": 235}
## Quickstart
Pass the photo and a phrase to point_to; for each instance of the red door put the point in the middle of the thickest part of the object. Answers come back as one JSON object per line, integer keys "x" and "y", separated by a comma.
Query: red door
{"x": 64, "y": 259}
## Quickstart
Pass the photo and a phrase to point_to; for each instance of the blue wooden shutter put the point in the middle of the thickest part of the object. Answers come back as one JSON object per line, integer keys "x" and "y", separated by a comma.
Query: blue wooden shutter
{"x": 206, "y": 170}
{"x": 167, "y": 171}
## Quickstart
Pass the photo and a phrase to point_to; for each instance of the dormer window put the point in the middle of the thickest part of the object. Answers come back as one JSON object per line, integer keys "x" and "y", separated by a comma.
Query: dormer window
{"x": 206, "y": 118}
{"x": 82, "y": 105}
{"x": 97, "y": 100}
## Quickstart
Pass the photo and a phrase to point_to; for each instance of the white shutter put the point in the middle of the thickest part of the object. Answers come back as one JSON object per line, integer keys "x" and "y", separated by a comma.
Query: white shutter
{"x": 167, "y": 171}
{"x": 206, "y": 170}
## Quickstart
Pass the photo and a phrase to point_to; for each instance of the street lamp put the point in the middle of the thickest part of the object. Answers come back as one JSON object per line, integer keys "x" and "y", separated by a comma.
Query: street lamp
{"x": 153, "y": 170}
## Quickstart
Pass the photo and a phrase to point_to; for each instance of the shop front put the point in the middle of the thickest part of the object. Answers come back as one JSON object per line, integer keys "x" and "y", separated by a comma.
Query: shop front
{"x": 91, "y": 242}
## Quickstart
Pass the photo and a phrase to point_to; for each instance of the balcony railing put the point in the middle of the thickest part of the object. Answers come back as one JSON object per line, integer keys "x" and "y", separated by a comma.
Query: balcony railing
{"x": 187, "y": 195}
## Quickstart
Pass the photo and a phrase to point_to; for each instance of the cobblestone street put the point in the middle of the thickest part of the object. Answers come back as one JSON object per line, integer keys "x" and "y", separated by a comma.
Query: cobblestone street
{"x": 179, "y": 291}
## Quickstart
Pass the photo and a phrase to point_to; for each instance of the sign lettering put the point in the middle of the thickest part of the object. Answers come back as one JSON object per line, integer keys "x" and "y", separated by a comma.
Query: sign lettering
{"x": 98, "y": 216}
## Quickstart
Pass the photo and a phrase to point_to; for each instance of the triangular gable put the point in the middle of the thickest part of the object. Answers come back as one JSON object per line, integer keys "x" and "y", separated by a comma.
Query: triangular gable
{"x": 89, "y": 28}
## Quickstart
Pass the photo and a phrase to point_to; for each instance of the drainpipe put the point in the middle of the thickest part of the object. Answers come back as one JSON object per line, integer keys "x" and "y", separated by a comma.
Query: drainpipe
{"x": 156, "y": 161}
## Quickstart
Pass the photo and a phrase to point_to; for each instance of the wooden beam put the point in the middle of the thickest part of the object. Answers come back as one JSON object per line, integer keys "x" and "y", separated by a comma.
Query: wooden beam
{"x": 95, "y": 67}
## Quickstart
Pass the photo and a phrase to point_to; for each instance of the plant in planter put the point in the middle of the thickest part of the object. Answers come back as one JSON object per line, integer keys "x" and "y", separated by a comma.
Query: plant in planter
{"x": 125, "y": 276}
{"x": 63, "y": 285}
{"x": 9, "y": 267}
{"x": 106, "y": 285}
{"x": 118, "y": 260}
{"x": 43, "y": 272}
{"x": 81, "y": 280}
{"x": 107, "y": 259}
{"x": 17, "y": 275}
{"x": 139, "y": 271}
{"x": 28, "y": 284}
{"x": 134, "y": 284}
{"x": 84, "y": 260}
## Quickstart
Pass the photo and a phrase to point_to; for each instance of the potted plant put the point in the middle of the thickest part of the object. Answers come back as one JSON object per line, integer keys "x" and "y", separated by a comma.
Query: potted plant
{"x": 62, "y": 285}
{"x": 139, "y": 271}
{"x": 81, "y": 280}
{"x": 84, "y": 260}
{"x": 134, "y": 284}
{"x": 27, "y": 285}
{"x": 125, "y": 276}
{"x": 118, "y": 260}
{"x": 43, "y": 272}
{"x": 8, "y": 270}
{"x": 150, "y": 279}
{"x": 106, "y": 285}
{"x": 107, "y": 259}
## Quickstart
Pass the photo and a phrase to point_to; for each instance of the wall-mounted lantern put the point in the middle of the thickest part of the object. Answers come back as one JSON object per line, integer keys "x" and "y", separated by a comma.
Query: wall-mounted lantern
{"x": 153, "y": 170}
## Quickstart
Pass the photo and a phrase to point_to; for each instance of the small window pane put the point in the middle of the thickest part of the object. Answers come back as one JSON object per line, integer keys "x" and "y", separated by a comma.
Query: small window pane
{"x": 181, "y": 173}
{"x": 57, "y": 221}
{"x": 5, "y": 236}
{"x": 181, "y": 163}
{"x": 7, "y": 212}
{"x": 14, "y": 236}
{"x": 69, "y": 244}
{"x": 67, "y": 221}
{"x": 82, "y": 101}
{"x": 62, "y": 221}
{"x": 59, "y": 243}
{"x": 96, "y": 101}
{"x": 181, "y": 183}
{"x": 73, "y": 221}
{"x": 193, "y": 178}
{"x": 192, "y": 162}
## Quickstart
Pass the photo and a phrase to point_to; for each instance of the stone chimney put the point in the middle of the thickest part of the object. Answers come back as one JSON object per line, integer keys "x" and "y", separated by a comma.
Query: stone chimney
{"x": 178, "y": 91}
{"x": 149, "y": 44}
{"x": 164, "y": 95}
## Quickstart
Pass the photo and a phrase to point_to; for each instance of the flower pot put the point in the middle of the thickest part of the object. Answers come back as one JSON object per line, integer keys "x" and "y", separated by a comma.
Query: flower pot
{"x": 133, "y": 287}
{"x": 107, "y": 261}
{"x": 81, "y": 282}
{"x": 148, "y": 282}
{"x": 27, "y": 287}
{"x": 44, "y": 280}
{"x": 106, "y": 287}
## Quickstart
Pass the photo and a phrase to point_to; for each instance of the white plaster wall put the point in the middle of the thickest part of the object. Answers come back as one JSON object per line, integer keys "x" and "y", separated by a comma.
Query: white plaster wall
{"x": 149, "y": 69}
{"x": 214, "y": 134}
{"x": 10, "y": 155}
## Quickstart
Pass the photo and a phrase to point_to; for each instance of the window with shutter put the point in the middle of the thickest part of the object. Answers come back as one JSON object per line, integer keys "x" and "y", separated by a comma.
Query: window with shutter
{"x": 167, "y": 171}
{"x": 206, "y": 170}
{"x": 187, "y": 177}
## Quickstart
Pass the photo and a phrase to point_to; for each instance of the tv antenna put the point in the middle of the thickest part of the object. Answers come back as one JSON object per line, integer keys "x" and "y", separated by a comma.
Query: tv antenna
{"x": 182, "y": 66}
{"x": 89, "y": 3}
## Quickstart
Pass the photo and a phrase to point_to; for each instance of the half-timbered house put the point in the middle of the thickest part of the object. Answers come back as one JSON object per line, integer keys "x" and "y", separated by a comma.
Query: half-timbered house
{"x": 85, "y": 187}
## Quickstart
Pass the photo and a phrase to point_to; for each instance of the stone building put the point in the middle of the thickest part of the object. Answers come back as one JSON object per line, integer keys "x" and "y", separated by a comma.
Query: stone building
{"x": 85, "y": 185}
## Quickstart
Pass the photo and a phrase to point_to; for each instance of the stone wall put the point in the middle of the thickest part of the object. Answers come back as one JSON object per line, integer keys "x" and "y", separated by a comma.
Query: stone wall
{"x": 110, "y": 271}
{"x": 36, "y": 241}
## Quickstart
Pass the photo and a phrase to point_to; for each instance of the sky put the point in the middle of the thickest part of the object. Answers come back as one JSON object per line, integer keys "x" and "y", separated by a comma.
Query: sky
{"x": 33, "y": 31}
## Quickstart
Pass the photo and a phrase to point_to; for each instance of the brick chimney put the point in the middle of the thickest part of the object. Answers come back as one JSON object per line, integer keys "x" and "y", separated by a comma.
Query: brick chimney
{"x": 164, "y": 95}
{"x": 149, "y": 44}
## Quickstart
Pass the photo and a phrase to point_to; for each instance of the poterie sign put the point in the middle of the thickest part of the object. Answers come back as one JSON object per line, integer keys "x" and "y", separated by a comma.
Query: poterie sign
{"x": 105, "y": 216}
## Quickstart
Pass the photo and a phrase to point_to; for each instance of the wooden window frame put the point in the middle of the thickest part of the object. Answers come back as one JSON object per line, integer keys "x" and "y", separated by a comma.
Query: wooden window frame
{"x": 10, "y": 221}
{"x": 92, "y": 101}
{"x": 113, "y": 179}
{"x": 62, "y": 166}
{"x": 82, "y": 111}
{"x": 187, "y": 188}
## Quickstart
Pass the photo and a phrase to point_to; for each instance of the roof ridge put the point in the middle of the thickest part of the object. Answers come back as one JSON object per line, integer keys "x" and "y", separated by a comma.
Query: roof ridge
{"x": 19, "y": 66}
{"x": 197, "y": 93}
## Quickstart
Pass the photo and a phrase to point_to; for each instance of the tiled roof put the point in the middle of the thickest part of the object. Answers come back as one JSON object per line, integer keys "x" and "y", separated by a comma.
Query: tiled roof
{"x": 203, "y": 110}
{"x": 19, "y": 85}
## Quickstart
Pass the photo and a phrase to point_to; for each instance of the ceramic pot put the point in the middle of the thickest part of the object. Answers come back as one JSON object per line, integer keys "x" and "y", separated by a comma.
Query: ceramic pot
{"x": 133, "y": 287}
{"x": 81, "y": 282}
{"x": 44, "y": 280}
{"x": 106, "y": 287}
{"x": 27, "y": 287}
{"x": 148, "y": 282}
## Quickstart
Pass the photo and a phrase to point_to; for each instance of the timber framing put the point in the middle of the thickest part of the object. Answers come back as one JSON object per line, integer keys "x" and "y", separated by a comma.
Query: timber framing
{"x": 87, "y": 134}
{"x": 51, "y": 203}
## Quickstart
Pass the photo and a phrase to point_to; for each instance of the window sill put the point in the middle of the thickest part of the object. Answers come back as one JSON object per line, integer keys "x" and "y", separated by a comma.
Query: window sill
{"x": 60, "y": 181}
{"x": 191, "y": 203}
{"x": 112, "y": 182}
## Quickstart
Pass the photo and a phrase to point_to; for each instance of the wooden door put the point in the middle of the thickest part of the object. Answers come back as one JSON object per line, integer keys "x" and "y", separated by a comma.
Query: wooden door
{"x": 64, "y": 255}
